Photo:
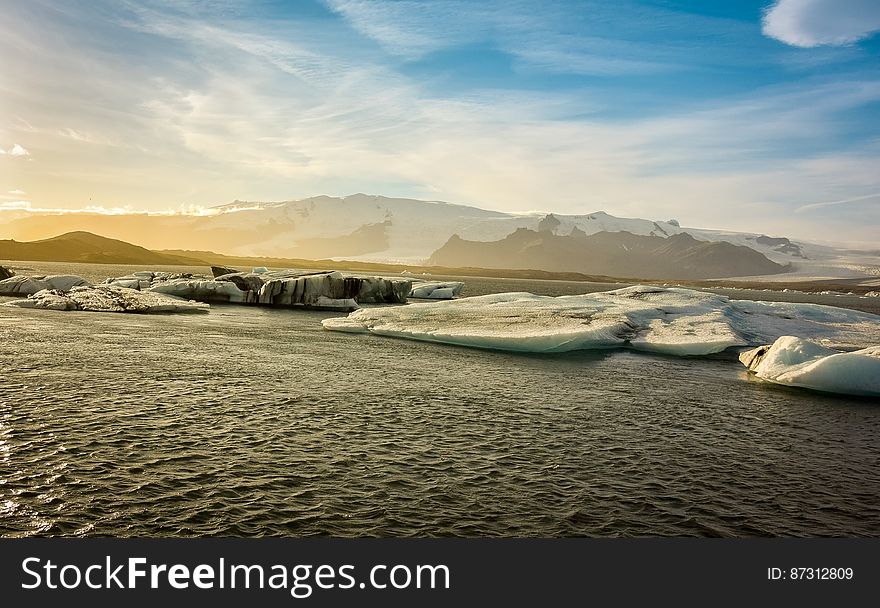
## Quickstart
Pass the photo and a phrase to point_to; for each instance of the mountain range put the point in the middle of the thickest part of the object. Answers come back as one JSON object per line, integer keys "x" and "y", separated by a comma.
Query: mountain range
{"x": 620, "y": 254}
{"x": 88, "y": 248}
{"x": 378, "y": 229}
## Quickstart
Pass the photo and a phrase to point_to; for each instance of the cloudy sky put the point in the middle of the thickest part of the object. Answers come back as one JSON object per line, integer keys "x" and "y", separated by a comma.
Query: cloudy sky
{"x": 752, "y": 115}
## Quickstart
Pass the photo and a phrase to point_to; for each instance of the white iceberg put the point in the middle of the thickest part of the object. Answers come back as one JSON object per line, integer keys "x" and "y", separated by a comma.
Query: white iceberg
{"x": 796, "y": 362}
{"x": 141, "y": 279}
{"x": 21, "y": 285}
{"x": 661, "y": 320}
{"x": 436, "y": 290}
{"x": 108, "y": 298}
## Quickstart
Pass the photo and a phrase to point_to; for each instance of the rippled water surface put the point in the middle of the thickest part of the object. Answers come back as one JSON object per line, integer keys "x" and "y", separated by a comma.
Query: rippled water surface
{"x": 250, "y": 421}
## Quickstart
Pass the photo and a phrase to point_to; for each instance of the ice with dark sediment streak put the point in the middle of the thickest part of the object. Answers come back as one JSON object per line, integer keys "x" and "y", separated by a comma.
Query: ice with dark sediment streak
{"x": 671, "y": 321}
{"x": 108, "y": 298}
{"x": 797, "y": 362}
{"x": 327, "y": 290}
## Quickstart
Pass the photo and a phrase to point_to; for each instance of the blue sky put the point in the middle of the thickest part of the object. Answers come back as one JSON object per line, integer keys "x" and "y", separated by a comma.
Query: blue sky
{"x": 745, "y": 115}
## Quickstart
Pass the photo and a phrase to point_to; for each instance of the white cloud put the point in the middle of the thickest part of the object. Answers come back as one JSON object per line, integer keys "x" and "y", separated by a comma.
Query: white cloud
{"x": 18, "y": 150}
{"x": 17, "y": 192}
{"x": 811, "y": 23}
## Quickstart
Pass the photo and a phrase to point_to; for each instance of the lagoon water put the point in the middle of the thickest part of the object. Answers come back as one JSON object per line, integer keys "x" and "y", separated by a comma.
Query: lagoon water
{"x": 257, "y": 422}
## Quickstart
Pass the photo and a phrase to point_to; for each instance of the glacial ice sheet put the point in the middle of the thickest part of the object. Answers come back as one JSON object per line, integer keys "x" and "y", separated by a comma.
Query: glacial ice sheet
{"x": 108, "y": 298}
{"x": 662, "y": 320}
{"x": 796, "y": 362}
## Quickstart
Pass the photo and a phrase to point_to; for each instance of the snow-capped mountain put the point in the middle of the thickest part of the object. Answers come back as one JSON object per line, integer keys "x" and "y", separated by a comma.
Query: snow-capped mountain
{"x": 383, "y": 229}
{"x": 414, "y": 228}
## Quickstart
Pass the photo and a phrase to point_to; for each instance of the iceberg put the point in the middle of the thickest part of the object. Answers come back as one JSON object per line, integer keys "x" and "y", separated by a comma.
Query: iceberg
{"x": 672, "y": 321}
{"x": 108, "y": 298}
{"x": 243, "y": 280}
{"x": 219, "y": 271}
{"x": 797, "y": 362}
{"x": 435, "y": 290}
{"x": 320, "y": 290}
{"x": 20, "y": 285}
{"x": 333, "y": 290}
{"x": 202, "y": 290}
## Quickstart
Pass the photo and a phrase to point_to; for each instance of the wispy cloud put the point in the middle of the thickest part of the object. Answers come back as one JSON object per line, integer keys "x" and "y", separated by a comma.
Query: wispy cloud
{"x": 846, "y": 201}
{"x": 189, "y": 210}
{"x": 811, "y": 23}
{"x": 586, "y": 38}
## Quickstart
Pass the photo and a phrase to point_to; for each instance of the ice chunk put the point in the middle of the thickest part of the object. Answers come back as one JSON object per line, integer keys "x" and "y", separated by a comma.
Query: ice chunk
{"x": 108, "y": 298}
{"x": 274, "y": 288}
{"x": 796, "y": 362}
{"x": 244, "y": 281}
{"x": 21, "y": 285}
{"x": 219, "y": 271}
{"x": 380, "y": 290}
{"x": 132, "y": 283}
{"x": 202, "y": 290}
{"x": 662, "y": 320}
{"x": 345, "y": 304}
{"x": 436, "y": 290}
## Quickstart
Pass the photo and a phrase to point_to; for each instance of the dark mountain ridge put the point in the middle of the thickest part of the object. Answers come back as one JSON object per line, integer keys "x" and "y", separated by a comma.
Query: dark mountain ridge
{"x": 621, "y": 254}
{"x": 87, "y": 248}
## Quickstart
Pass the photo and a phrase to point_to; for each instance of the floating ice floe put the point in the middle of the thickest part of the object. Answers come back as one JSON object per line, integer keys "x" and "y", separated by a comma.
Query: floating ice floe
{"x": 108, "y": 298}
{"x": 662, "y": 320}
{"x": 796, "y": 362}
{"x": 21, "y": 285}
{"x": 435, "y": 290}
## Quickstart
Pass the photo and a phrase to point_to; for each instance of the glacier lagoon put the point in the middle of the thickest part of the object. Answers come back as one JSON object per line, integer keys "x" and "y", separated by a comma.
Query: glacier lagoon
{"x": 252, "y": 421}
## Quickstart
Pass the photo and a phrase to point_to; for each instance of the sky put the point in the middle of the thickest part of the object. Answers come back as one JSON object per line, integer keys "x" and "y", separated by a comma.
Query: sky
{"x": 750, "y": 115}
